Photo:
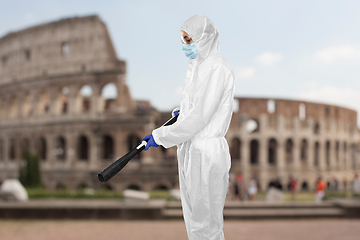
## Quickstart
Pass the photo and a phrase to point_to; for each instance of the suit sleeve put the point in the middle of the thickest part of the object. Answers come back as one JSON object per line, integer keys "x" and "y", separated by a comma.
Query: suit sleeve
{"x": 212, "y": 90}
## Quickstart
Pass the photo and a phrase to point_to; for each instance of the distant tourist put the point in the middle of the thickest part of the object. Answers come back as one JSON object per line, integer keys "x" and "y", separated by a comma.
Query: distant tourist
{"x": 356, "y": 184}
{"x": 239, "y": 188}
{"x": 335, "y": 184}
{"x": 252, "y": 189}
{"x": 320, "y": 190}
{"x": 230, "y": 196}
{"x": 292, "y": 188}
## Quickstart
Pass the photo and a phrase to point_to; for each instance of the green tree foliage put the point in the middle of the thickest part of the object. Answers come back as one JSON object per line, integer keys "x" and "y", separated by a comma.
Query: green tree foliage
{"x": 30, "y": 175}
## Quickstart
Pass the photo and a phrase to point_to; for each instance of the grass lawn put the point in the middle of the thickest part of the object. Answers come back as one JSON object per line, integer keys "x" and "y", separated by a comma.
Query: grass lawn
{"x": 39, "y": 193}
{"x": 310, "y": 196}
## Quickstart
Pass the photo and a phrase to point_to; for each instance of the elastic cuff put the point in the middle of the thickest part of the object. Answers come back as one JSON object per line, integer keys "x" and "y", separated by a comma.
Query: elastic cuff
{"x": 157, "y": 139}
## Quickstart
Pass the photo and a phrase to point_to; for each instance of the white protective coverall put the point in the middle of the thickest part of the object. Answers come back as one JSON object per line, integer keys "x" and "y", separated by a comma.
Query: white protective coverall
{"x": 205, "y": 113}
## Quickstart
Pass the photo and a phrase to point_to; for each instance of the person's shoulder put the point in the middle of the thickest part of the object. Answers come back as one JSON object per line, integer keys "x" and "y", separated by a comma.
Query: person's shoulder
{"x": 217, "y": 64}
{"x": 225, "y": 66}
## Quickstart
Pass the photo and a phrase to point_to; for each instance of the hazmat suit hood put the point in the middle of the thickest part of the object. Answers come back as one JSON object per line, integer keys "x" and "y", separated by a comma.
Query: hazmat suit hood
{"x": 204, "y": 34}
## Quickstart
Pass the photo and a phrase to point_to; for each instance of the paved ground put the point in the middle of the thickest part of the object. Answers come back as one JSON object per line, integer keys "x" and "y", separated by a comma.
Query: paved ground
{"x": 326, "y": 229}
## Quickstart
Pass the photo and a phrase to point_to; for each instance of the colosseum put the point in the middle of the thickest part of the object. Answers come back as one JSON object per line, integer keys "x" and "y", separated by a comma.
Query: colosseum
{"x": 52, "y": 83}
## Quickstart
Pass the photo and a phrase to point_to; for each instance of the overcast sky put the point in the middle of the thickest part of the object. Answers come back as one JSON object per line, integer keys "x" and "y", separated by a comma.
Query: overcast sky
{"x": 280, "y": 49}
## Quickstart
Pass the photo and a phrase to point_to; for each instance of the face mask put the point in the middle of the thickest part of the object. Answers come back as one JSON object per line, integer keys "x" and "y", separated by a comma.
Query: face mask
{"x": 190, "y": 50}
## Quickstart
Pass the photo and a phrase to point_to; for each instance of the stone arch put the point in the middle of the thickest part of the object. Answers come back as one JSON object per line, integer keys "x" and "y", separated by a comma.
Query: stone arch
{"x": 62, "y": 101}
{"x": 41, "y": 148}
{"x": 108, "y": 147}
{"x": 235, "y": 149}
{"x": 353, "y": 156}
{"x": 271, "y": 106}
{"x": 345, "y": 153}
{"x": 254, "y": 152}
{"x": 12, "y": 149}
{"x": 13, "y": 107}
{"x": 61, "y": 148}
{"x": 289, "y": 146}
{"x": 337, "y": 153}
{"x": 327, "y": 111}
{"x": 2, "y": 150}
{"x": 83, "y": 148}
{"x": 316, "y": 154}
{"x": 132, "y": 141}
{"x": 304, "y": 186}
{"x": 302, "y": 111}
{"x": 358, "y": 154}
{"x": 304, "y": 150}
{"x": 43, "y": 102}
{"x": 109, "y": 94}
{"x": 272, "y": 151}
{"x": 25, "y": 145}
{"x": 134, "y": 186}
{"x": 3, "y": 107}
{"x": 61, "y": 186}
{"x": 236, "y": 105}
{"x": 252, "y": 126}
{"x": 83, "y": 99}
{"x": 317, "y": 128}
{"x": 65, "y": 49}
{"x": 344, "y": 185}
{"x": 327, "y": 153}
{"x": 26, "y": 105}
{"x": 161, "y": 187}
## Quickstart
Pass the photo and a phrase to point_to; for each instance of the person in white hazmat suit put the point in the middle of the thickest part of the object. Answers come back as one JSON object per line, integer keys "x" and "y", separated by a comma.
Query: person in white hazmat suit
{"x": 205, "y": 113}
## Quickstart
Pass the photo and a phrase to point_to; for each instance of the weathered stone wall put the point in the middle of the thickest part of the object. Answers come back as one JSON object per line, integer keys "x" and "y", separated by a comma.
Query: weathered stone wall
{"x": 65, "y": 47}
{"x": 322, "y": 142}
{"x": 43, "y": 109}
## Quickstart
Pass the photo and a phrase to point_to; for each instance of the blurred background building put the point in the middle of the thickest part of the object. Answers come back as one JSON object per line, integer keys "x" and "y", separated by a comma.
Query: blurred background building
{"x": 53, "y": 102}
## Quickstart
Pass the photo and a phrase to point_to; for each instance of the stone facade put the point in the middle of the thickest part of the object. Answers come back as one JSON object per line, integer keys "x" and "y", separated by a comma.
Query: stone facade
{"x": 294, "y": 138}
{"x": 52, "y": 79}
{"x": 43, "y": 72}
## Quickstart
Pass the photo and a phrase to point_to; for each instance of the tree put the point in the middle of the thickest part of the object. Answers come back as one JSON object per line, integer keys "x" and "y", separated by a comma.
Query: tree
{"x": 30, "y": 175}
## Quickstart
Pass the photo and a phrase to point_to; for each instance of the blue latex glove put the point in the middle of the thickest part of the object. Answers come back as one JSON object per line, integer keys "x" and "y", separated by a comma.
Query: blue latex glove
{"x": 150, "y": 143}
{"x": 176, "y": 113}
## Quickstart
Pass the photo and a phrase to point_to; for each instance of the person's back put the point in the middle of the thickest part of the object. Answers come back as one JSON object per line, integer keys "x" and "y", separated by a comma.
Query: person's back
{"x": 293, "y": 184}
{"x": 219, "y": 123}
{"x": 320, "y": 186}
{"x": 320, "y": 190}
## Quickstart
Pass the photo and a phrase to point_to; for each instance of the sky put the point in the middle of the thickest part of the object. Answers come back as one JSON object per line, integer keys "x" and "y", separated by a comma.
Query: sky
{"x": 300, "y": 50}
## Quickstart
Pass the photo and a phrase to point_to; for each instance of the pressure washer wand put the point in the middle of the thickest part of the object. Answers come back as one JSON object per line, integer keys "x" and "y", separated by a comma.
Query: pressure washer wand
{"x": 120, "y": 163}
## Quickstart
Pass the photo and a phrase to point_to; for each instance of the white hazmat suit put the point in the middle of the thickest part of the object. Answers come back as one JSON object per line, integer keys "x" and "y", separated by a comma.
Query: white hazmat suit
{"x": 205, "y": 113}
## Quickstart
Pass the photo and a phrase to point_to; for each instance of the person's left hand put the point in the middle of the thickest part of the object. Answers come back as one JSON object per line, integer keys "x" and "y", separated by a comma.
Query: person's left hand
{"x": 150, "y": 142}
{"x": 175, "y": 112}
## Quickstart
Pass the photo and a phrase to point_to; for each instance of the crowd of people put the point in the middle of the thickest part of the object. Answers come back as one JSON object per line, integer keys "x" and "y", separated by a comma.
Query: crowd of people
{"x": 241, "y": 190}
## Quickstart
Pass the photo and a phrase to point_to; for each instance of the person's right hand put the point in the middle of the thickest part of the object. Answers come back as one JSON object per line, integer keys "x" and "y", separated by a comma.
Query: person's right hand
{"x": 150, "y": 143}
